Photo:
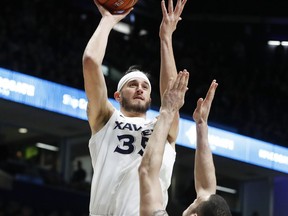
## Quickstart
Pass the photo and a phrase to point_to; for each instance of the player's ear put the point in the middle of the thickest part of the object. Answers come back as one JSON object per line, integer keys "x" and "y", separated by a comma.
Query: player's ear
{"x": 117, "y": 96}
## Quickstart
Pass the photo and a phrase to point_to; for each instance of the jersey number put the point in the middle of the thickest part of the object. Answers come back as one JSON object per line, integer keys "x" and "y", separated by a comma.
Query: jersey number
{"x": 128, "y": 144}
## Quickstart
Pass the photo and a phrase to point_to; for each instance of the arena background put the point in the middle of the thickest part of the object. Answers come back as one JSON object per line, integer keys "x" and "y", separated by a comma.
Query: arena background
{"x": 224, "y": 40}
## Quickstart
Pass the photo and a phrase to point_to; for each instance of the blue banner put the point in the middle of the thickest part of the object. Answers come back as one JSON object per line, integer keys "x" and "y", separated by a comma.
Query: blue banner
{"x": 69, "y": 101}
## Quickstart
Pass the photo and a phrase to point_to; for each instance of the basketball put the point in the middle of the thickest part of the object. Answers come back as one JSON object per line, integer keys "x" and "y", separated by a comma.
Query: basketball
{"x": 117, "y": 6}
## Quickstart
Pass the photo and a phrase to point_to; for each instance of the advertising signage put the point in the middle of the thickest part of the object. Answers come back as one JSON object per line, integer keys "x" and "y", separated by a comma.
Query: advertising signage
{"x": 43, "y": 94}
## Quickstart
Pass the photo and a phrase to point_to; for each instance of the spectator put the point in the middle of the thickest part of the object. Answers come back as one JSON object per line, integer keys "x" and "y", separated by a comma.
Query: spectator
{"x": 79, "y": 174}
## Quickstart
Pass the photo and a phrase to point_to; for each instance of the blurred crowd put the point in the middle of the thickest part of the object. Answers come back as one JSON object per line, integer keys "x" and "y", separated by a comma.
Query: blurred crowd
{"x": 47, "y": 38}
{"x": 16, "y": 208}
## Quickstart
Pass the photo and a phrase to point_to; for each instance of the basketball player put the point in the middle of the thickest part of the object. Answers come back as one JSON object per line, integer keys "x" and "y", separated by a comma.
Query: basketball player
{"x": 118, "y": 137}
{"x": 206, "y": 202}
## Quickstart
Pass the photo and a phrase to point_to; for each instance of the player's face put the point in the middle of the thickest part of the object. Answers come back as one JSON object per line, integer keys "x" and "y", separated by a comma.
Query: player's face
{"x": 135, "y": 96}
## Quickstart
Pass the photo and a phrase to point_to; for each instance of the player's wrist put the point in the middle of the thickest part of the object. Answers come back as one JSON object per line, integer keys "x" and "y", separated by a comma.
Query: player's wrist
{"x": 201, "y": 124}
{"x": 167, "y": 112}
{"x": 166, "y": 37}
{"x": 108, "y": 22}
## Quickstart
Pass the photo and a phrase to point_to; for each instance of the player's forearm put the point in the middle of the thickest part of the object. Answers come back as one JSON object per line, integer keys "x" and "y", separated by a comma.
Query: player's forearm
{"x": 152, "y": 158}
{"x": 167, "y": 67}
{"x": 205, "y": 178}
{"x": 94, "y": 81}
{"x": 96, "y": 47}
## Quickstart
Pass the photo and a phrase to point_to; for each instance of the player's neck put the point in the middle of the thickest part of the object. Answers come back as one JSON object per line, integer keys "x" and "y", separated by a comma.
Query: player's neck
{"x": 133, "y": 114}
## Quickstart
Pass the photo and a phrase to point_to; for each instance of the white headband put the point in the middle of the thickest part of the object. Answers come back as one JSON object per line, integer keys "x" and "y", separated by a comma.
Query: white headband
{"x": 130, "y": 76}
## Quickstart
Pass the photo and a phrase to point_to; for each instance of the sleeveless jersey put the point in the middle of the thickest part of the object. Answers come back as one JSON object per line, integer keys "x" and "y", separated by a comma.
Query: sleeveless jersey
{"x": 116, "y": 152}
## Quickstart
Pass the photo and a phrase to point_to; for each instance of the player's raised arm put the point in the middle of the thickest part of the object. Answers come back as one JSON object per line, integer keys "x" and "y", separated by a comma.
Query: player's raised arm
{"x": 204, "y": 171}
{"x": 99, "y": 109}
{"x": 171, "y": 17}
{"x": 207, "y": 201}
{"x": 151, "y": 199}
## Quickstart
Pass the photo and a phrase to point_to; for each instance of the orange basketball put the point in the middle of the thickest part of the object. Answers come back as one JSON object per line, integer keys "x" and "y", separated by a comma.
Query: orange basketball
{"x": 117, "y": 6}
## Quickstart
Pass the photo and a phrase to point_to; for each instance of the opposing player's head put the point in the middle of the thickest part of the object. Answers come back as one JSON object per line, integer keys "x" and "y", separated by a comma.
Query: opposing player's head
{"x": 215, "y": 205}
{"x": 133, "y": 91}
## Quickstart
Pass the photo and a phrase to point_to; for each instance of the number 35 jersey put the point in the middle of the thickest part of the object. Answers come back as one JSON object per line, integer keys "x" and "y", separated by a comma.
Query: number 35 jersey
{"x": 116, "y": 152}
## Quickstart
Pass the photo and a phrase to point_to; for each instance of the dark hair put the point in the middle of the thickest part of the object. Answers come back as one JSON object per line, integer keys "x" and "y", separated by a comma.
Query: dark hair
{"x": 214, "y": 206}
{"x": 135, "y": 68}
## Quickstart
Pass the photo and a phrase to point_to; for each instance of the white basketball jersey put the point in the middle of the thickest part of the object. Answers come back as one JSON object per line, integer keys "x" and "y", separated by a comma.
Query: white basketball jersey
{"x": 116, "y": 152}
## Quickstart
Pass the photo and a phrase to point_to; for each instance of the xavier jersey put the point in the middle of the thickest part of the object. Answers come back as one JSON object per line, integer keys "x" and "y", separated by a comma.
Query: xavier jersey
{"x": 116, "y": 152}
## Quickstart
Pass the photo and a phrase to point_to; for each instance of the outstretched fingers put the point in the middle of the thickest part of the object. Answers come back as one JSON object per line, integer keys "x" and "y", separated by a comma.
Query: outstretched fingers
{"x": 199, "y": 104}
{"x": 202, "y": 110}
{"x": 170, "y": 6}
{"x": 179, "y": 7}
{"x": 99, "y": 6}
{"x": 211, "y": 92}
{"x": 181, "y": 81}
{"x": 177, "y": 81}
{"x": 163, "y": 8}
{"x": 173, "y": 97}
{"x": 184, "y": 80}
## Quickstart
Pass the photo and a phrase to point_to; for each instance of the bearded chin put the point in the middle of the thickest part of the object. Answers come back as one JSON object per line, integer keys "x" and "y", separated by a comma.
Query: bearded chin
{"x": 135, "y": 108}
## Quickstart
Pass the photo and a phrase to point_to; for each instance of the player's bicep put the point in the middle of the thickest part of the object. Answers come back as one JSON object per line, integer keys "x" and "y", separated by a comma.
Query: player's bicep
{"x": 97, "y": 118}
{"x": 94, "y": 83}
{"x": 98, "y": 108}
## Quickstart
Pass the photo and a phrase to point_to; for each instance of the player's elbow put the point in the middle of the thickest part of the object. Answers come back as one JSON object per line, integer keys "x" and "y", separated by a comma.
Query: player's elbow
{"x": 143, "y": 170}
{"x": 88, "y": 59}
